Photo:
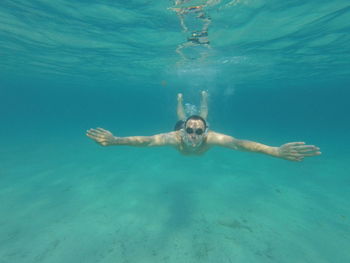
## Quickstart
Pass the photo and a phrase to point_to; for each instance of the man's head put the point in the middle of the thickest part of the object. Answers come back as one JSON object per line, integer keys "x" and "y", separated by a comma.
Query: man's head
{"x": 195, "y": 129}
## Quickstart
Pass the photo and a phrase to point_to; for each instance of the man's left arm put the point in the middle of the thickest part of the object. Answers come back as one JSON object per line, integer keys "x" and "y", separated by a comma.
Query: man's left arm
{"x": 294, "y": 151}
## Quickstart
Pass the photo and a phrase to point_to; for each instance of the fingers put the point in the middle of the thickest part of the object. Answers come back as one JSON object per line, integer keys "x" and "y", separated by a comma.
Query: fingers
{"x": 306, "y": 148}
{"x": 294, "y": 155}
{"x": 98, "y": 132}
{"x": 99, "y": 135}
{"x": 311, "y": 154}
{"x": 90, "y": 136}
{"x": 98, "y": 139}
{"x": 291, "y": 144}
{"x": 297, "y": 151}
{"x": 94, "y": 133}
{"x": 90, "y": 133}
{"x": 103, "y": 130}
{"x": 301, "y": 148}
{"x": 300, "y": 155}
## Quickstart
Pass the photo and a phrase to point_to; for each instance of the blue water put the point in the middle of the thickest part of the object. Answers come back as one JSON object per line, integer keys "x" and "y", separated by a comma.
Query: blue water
{"x": 275, "y": 71}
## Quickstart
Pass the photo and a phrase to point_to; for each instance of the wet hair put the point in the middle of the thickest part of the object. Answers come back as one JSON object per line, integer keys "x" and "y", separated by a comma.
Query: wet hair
{"x": 196, "y": 117}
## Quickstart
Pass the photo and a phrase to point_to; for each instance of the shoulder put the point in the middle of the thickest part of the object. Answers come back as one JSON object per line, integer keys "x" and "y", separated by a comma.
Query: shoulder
{"x": 216, "y": 138}
{"x": 162, "y": 139}
{"x": 212, "y": 135}
{"x": 173, "y": 137}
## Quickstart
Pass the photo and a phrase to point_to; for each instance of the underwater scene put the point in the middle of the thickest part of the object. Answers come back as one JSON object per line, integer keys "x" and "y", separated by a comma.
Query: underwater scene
{"x": 175, "y": 131}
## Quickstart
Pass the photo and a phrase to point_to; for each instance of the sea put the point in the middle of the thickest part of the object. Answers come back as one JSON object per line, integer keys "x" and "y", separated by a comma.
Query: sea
{"x": 275, "y": 72}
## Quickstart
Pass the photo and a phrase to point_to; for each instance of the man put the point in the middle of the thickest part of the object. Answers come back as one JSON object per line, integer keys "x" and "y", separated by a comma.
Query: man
{"x": 192, "y": 137}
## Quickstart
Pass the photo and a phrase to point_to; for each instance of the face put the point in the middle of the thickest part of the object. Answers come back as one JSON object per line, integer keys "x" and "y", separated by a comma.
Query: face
{"x": 194, "y": 132}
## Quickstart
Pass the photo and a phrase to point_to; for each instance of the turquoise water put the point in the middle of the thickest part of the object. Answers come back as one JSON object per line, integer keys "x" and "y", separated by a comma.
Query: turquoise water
{"x": 275, "y": 71}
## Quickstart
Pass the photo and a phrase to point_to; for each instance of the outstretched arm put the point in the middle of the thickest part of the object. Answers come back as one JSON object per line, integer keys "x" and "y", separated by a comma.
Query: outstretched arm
{"x": 106, "y": 138}
{"x": 180, "y": 108}
{"x": 204, "y": 105}
{"x": 294, "y": 151}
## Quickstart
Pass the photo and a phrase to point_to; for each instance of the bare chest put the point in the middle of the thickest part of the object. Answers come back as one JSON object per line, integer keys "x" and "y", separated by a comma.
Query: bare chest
{"x": 186, "y": 150}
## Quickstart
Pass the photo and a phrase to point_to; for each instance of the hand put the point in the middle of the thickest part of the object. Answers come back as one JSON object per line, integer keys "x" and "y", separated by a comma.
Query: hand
{"x": 296, "y": 151}
{"x": 179, "y": 97}
{"x": 204, "y": 94}
{"x": 101, "y": 136}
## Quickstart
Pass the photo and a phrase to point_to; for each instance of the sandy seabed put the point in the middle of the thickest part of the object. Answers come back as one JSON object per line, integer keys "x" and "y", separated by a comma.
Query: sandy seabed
{"x": 84, "y": 203}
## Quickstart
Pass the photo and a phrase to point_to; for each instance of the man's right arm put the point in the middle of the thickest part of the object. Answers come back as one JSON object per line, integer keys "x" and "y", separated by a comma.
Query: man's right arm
{"x": 106, "y": 138}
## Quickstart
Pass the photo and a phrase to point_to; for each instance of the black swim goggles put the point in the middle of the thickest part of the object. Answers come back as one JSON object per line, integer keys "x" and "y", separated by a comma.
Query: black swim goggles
{"x": 197, "y": 131}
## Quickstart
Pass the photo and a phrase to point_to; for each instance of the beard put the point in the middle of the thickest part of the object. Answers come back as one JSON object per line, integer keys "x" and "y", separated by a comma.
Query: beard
{"x": 193, "y": 143}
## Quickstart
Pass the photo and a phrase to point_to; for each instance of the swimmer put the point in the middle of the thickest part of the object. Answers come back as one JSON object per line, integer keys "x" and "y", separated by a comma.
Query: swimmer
{"x": 192, "y": 136}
